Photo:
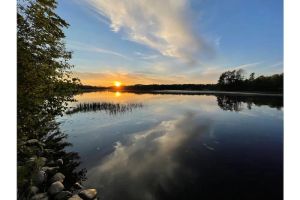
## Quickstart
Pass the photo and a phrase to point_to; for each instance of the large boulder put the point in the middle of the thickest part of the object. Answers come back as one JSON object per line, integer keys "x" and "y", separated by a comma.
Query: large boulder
{"x": 40, "y": 196}
{"x": 57, "y": 177}
{"x": 55, "y": 188}
{"x": 33, "y": 190}
{"x": 39, "y": 178}
{"x": 88, "y": 194}
{"x": 50, "y": 169}
{"x": 75, "y": 197}
{"x": 63, "y": 195}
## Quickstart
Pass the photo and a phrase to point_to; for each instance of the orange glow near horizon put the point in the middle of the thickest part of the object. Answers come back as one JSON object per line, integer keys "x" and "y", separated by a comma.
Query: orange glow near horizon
{"x": 117, "y": 83}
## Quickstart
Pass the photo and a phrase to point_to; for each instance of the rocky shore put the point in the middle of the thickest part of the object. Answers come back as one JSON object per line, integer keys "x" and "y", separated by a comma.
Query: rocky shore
{"x": 48, "y": 184}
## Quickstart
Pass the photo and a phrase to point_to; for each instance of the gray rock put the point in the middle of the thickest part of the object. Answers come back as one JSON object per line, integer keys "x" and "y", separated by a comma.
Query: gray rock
{"x": 55, "y": 188}
{"x": 75, "y": 197}
{"x": 40, "y": 196}
{"x": 60, "y": 162}
{"x": 88, "y": 194}
{"x": 39, "y": 178}
{"x": 63, "y": 195}
{"x": 57, "y": 177}
{"x": 78, "y": 186}
{"x": 33, "y": 190}
{"x": 49, "y": 169}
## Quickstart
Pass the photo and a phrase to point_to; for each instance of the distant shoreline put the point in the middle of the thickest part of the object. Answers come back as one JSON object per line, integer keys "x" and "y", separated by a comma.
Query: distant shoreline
{"x": 216, "y": 92}
{"x": 188, "y": 92}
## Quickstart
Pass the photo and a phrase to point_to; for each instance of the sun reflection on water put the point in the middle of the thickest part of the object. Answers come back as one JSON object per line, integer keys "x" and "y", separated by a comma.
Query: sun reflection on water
{"x": 117, "y": 94}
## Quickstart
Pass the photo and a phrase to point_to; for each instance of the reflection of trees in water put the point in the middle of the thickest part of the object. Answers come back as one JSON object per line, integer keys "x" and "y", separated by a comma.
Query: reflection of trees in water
{"x": 235, "y": 103}
{"x": 110, "y": 108}
{"x": 40, "y": 154}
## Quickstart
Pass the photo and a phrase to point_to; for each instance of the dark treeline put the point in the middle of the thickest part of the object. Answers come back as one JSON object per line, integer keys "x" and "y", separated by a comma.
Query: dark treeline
{"x": 91, "y": 88}
{"x": 228, "y": 81}
{"x": 110, "y": 108}
{"x": 236, "y": 81}
{"x": 171, "y": 87}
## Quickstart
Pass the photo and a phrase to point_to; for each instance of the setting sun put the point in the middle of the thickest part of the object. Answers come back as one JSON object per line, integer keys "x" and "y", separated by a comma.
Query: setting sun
{"x": 118, "y": 84}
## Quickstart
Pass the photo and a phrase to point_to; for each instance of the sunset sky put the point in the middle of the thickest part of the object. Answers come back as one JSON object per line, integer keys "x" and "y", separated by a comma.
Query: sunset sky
{"x": 172, "y": 41}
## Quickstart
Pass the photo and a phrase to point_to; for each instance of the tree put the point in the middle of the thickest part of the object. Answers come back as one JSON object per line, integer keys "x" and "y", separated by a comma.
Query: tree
{"x": 235, "y": 80}
{"x": 43, "y": 69}
{"x": 252, "y": 76}
{"x": 44, "y": 81}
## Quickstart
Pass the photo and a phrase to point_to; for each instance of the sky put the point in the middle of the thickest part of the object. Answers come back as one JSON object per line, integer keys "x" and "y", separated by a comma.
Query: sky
{"x": 172, "y": 41}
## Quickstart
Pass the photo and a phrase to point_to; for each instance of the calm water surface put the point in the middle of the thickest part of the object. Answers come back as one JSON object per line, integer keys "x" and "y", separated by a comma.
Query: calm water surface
{"x": 147, "y": 146}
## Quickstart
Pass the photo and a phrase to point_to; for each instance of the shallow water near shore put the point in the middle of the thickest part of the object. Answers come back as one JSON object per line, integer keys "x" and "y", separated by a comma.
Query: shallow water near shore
{"x": 177, "y": 146}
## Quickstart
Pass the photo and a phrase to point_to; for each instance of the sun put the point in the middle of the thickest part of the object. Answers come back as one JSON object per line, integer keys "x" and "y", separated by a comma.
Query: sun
{"x": 118, "y": 84}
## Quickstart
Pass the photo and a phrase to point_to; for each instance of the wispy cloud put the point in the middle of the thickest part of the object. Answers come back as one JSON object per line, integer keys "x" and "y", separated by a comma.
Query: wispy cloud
{"x": 146, "y": 56}
{"x": 160, "y": 25}
{"x": 278, "y": 64}
{"x": 248, "y": 65}
{"x": 83, "y": 47}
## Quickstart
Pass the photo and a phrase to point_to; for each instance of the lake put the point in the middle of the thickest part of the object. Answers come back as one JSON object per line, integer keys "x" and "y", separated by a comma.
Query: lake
{"x": 178, "y": 146}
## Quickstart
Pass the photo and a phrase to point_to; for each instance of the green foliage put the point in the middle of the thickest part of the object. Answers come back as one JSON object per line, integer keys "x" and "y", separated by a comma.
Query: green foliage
{"x": 44, "y": 86}
{"x": 43, "y": 68}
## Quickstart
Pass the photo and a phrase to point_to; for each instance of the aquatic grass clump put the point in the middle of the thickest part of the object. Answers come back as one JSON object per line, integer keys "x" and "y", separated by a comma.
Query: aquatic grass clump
{"x": 110, "y": 108}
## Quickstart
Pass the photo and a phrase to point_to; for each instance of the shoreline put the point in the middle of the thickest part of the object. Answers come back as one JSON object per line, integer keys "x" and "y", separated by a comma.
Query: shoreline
{"x": 246, "y": 93}
{"x": 191, "y": 92}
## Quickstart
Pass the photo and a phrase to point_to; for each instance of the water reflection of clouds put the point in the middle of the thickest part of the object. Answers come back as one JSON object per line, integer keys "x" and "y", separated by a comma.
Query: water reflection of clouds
{"x": 150, "y": 160}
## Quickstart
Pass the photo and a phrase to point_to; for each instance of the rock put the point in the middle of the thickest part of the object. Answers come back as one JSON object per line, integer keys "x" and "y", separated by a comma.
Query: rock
{"x": 39, "y": 178}
{"x": 78, "y": 186}
{"x": 55, "y": 188}
{"x": 63, "y": 195}
{"x": 57, "y": 177}
{"x": 33, "y": 190}
{"x": 75, "y": 197}
{"x": 60, "y": 162}
{"x": 88, "y": 194}
{"x": 49, "y": 169}
{"x": 40, "y": 196}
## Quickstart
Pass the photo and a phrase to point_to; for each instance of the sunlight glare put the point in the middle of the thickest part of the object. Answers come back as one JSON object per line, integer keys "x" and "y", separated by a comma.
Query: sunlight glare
{"x": 117, "y": 94}
{"x": 117, "y": 83}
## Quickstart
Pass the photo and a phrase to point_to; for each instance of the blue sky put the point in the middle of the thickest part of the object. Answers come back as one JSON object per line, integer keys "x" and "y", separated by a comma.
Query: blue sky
{"x": 172, "y": 41}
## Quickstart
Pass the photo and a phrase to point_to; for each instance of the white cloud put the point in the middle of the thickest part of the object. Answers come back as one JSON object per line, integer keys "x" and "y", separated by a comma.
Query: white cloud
{"x": 160, "y": 25}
